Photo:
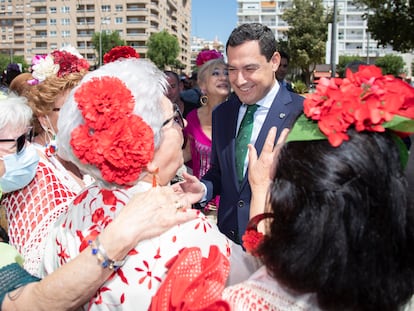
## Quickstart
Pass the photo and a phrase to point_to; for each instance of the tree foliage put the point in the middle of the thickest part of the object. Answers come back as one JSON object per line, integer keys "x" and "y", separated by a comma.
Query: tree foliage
{"x": 17, "y": 59}
{"x": 109, "y": 40}
{"x": 390, "y": 64}
{"x": 163, "y": 49}
{"x": 391, "y": 22}
{"x": 307, "y": 34}
{"x": 344, "y": 61}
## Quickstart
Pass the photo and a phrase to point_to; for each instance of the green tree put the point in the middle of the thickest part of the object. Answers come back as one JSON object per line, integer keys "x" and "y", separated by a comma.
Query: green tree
{"x": 18, "y": 59}
{"x": 390, "y": 22}
{"x": 390, "y": 64}
{"x": 307, "y": 34}
{"x": 343, "y": 61}
{"x": 163, "y": 49}
{"x": 107, "y": 41}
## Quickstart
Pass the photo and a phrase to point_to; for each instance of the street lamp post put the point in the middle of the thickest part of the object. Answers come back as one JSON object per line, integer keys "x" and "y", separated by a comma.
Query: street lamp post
{"x": 100, "y": 45}
{"x": 104, "y": 18}
{"x": 333, "y": 41}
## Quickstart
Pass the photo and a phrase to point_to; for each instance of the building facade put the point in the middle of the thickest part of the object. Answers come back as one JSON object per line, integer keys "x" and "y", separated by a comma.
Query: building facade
{"x": 352, "y": 36}
{"x": 29, "y": 27}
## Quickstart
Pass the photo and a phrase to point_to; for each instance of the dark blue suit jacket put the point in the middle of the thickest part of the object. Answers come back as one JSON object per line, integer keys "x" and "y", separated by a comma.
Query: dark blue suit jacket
{"x": 221, "y": 179}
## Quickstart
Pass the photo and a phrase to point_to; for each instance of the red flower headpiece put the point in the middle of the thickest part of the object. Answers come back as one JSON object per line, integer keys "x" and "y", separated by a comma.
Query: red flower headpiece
{"x": 69, "y": 63}
{"x": 57, "y": 63}
{"x": 119, "y": 143}
{"x": 366, "y": 100}
{"x": 253, "y": 238}
{"x": 120, "y": 52}
{"x": 206, "y": 55}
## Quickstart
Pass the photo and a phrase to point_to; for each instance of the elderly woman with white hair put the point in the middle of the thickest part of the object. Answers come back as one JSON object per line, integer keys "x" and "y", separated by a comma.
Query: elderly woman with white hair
{"x": 140, "y": 219}
{"x": 119, "y": 127}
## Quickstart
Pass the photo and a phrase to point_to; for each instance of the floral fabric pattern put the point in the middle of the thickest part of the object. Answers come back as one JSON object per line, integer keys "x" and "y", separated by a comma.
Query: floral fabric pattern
{"x": 145, "y": 268}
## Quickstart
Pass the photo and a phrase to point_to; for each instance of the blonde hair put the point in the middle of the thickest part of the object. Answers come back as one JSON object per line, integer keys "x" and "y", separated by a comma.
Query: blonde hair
{"x": 19, "y": 85}
{"x": 207, "y": 69}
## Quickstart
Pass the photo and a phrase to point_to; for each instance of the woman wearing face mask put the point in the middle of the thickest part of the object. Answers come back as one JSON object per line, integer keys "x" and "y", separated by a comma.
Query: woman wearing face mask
{"x": 33, "y": 204}
{"x": 46, "y": 100}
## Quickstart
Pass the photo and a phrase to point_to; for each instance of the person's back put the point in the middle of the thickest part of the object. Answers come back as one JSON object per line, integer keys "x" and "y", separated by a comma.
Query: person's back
{"x": 340, "y": 235}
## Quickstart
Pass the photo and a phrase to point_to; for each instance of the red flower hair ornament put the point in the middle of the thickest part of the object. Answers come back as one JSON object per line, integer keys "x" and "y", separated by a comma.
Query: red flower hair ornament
{"x": 58, "y": 63}
{"x": 253, "y": 238}
{"x": 120, "y": 52}
{"x": 206, "y": 55}
{"x": 365, "y": 100}
{"x": 113, "y": 139}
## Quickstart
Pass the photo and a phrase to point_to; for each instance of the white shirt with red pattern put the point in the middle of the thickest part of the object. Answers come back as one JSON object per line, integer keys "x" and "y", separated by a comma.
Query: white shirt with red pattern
{"x": 133, "y": 285}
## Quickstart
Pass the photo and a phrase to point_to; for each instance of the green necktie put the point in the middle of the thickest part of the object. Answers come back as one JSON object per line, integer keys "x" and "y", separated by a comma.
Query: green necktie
{"x": 243, "y": 139}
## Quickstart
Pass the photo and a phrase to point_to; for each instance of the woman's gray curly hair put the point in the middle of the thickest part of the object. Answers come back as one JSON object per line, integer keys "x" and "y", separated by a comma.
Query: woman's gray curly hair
{"x": 147, "y": 84}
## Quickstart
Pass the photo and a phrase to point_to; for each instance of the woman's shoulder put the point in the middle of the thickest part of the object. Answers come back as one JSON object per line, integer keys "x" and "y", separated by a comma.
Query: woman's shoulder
{"x": 263, "y": 290}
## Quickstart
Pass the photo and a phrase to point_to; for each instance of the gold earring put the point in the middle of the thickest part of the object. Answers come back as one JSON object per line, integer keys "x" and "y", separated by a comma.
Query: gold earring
{"x": 203, "y": 100}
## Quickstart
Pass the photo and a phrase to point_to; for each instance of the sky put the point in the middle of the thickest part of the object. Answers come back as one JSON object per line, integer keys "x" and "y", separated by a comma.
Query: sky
{"x": 213, "y": 18}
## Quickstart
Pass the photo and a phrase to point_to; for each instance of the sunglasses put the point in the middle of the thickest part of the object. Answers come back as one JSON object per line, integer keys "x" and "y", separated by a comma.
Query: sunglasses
{"x": 177, "y": 117}
{"x": 21, "y": 140}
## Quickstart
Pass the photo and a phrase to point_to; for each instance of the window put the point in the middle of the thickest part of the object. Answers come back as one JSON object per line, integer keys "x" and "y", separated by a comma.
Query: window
{"x": 52, "y": 10}
{"x": 65, "y": 9}
{"x": 65, "y": 21}
{"x": 65, "y": 33}
{"x": 53, "y": 33}
{"x": 52, "y": 21}
{"x": 118, "y": 20}
{"x": 105, "y": 8}
{"x": 118, "y": 8}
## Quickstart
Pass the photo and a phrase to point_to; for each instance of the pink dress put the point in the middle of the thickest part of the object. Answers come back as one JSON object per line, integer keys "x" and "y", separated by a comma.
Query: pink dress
{"x": 133, "y": 285}
{"x": 200, "y": 147}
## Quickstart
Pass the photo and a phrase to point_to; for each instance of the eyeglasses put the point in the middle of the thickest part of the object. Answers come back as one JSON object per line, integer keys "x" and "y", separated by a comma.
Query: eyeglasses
{"x": 177, "y": 117}
{"x": 21, "y": 140}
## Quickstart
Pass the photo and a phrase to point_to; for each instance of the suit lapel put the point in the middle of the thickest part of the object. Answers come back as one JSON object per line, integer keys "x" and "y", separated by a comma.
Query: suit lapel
{"x": 278, "y": 116}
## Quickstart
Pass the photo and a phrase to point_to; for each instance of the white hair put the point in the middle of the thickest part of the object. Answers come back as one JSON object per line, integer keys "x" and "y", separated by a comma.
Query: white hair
{"x": 147, "y": 84}
{"x": 15, "y": 113}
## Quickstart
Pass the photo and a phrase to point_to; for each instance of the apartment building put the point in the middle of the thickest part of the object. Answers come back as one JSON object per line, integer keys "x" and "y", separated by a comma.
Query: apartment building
{"x": 352, "y": 36}
{"x": 29, "y": 27}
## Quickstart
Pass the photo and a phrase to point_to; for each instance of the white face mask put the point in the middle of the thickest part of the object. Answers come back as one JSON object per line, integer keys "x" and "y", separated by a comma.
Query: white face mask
{"x": 20, "y": 169}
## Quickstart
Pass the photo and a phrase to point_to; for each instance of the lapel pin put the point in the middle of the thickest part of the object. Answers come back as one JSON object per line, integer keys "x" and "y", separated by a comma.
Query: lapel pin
{"x": 282, "y": 115}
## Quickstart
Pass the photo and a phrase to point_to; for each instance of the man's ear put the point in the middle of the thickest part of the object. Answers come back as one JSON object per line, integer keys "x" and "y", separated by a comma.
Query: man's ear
{"x": 275, "y": 60}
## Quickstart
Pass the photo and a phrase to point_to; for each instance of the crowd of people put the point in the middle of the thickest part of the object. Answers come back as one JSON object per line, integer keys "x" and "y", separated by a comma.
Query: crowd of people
{"x": 312, "y": 194}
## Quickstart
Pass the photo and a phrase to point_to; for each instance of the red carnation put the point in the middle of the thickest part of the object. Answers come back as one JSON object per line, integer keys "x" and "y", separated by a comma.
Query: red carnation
{"x": 251, "y": 240}
{"x": 206, "y": 55}
{"x": 365, "y": 100}
{"x": 120, "y": 52}
{"x": 113, "y": 139}
{"x": 69, "y": 63}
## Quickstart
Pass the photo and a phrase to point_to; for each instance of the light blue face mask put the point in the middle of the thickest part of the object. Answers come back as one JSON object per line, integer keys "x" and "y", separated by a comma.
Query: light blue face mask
{"x": 20, "y": 169}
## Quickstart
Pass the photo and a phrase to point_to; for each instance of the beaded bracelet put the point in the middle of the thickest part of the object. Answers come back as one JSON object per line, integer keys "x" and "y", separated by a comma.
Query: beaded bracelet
{"x": 103, "y": 259}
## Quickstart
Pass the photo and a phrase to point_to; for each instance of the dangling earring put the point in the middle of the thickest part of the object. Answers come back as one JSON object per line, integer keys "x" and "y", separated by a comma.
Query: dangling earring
{"x": 51, "y": 145}
{"x": 204, "y": 100}
{"x": 154, "y": 178}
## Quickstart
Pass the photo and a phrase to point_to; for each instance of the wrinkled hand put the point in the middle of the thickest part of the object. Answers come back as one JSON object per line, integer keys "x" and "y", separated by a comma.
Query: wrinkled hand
{"x": 153, "y": 212}
{"x": 191, "y": 187}
{"x": 262, "y": 170}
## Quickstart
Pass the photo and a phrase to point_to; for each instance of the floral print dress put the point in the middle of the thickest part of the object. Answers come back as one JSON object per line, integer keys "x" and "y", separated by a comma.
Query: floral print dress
{"x": 132, "y": 286}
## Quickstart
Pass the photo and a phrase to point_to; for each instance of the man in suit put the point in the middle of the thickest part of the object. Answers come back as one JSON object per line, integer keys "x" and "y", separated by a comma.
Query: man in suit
{"x": 252, "y": 63}
{"x": 283, "y": 70}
